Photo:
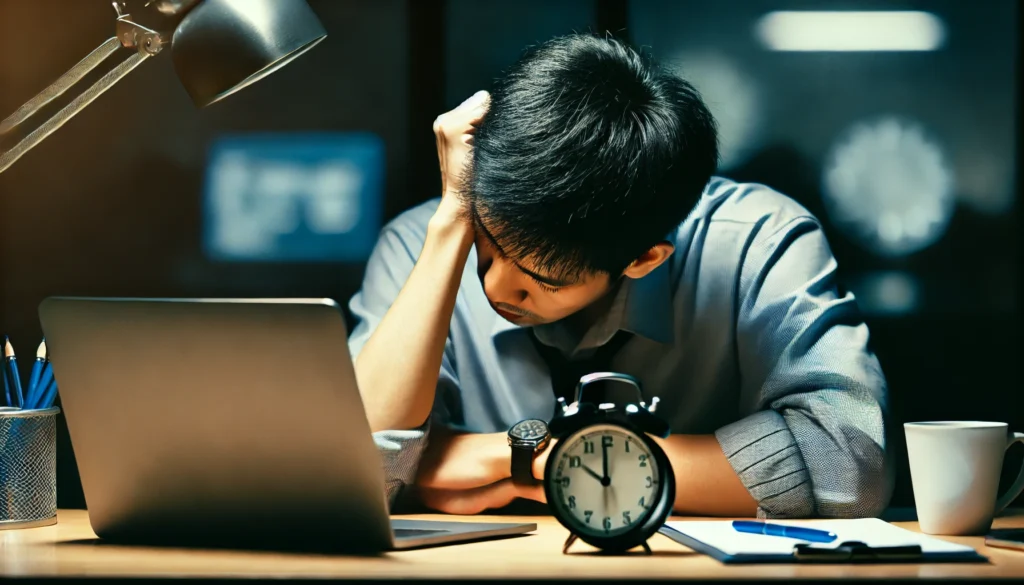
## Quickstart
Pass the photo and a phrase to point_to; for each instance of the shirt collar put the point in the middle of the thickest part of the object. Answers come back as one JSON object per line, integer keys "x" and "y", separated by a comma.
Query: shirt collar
{"x": 642, "y": 306}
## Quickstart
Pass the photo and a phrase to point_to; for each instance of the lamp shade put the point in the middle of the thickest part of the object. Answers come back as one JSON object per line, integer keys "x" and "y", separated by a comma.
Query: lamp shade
{"x": 222, "y": 46}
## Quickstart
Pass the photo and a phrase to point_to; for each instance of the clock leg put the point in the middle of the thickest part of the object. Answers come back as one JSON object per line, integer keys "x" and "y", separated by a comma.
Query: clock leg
{"x": 647, "y": 549}
{"x": 568, "y": 543}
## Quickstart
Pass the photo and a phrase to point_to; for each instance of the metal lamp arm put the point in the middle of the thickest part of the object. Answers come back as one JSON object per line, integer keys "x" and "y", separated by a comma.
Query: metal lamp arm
{"x": 131, "y": 35}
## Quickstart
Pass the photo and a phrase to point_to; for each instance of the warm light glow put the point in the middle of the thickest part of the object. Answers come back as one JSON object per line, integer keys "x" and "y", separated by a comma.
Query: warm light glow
{"x": 851, "y": 31}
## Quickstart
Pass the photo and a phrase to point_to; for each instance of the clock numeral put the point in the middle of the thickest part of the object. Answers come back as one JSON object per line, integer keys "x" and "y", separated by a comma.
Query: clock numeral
{"x": 643, "y": 461}
{"x": 588, "y": 447}
{"x": 572, "y": 501}
{"x": 587, "y": 514}
{"x": 606, "y": 441}
{"x": 641, "y": 501}
{"x": 574, "y": 461}
{"x": 650, "y": 482}
{"x": 607, "y": 523}
{"x": 565, "y": 482}
{"x": 627, "y": 445}
{"x": 625, "y": 518}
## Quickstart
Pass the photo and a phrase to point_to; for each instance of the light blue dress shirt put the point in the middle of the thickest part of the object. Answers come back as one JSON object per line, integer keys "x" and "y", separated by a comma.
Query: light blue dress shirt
{"x": 741, "y": 334}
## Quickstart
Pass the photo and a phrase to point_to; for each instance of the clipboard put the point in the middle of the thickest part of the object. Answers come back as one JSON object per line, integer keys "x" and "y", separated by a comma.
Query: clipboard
{"x": 854, "y": 551}
{"x": 866, "y": 540}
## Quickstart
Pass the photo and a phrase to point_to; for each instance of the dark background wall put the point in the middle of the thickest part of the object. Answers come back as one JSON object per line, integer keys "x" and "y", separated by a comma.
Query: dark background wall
{"x": 112, "y": 203}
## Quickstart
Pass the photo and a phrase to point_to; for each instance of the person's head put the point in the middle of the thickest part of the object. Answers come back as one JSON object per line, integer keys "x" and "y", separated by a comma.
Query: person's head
{"x": 587, "y": 158}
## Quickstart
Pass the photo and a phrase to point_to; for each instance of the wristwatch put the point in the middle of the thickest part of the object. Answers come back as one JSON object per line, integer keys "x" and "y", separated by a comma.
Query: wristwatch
{"x": 527, "y": 438}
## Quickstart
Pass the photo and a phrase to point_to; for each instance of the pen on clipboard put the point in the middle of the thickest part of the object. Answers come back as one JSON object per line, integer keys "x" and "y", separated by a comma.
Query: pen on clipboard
{"x": 798, "y": 532}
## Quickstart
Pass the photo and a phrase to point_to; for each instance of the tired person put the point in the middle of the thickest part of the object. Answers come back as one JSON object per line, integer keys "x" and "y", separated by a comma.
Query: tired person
{"x": 580, "y": 224}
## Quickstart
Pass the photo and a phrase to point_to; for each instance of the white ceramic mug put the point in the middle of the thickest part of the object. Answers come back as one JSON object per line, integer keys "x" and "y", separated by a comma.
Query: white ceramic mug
{"x": 955, "y": 468}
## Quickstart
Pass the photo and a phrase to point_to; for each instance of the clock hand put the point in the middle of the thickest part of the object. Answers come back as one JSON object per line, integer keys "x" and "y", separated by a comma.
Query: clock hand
{"x": 604, "y": 452}
{"x": 604, "y": 497}
{"x": 592, "y": 473}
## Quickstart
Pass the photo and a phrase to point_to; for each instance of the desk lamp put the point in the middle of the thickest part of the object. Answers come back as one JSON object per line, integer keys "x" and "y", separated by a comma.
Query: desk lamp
{"x": 218, "y": 47}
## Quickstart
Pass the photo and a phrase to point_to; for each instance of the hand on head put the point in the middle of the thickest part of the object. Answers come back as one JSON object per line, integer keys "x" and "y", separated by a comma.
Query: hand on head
{"x": 454, "y": 132}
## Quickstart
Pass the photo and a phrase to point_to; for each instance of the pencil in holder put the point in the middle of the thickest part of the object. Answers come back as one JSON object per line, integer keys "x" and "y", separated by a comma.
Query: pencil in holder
{"x": 28, "y": 467}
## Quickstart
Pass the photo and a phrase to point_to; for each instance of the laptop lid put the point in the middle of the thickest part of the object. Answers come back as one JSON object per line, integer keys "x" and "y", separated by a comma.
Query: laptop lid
{"x": 217, "y": 421}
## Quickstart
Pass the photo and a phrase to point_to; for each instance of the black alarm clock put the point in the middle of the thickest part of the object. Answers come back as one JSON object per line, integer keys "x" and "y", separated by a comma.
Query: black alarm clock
{"x": 606, "y": 480}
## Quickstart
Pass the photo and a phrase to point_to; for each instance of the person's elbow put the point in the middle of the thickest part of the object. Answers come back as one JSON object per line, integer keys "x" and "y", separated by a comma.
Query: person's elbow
{"x": 857, "y": 481}
{"x": 401, "y": 452}
{"x": 867, "y": 492}
{"x": 842, "y": 436}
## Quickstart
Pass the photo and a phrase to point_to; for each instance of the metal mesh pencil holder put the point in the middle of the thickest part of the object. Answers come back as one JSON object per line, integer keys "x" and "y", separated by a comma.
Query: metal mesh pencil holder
{"x": 28, "y": 467}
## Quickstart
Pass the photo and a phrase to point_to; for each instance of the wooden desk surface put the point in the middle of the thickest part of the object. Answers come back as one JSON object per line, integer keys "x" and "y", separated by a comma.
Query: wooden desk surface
{"x": 71, "y": 549}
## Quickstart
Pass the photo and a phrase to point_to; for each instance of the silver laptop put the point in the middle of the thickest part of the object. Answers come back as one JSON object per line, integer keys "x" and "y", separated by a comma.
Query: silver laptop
{"x": 226, "y": 422}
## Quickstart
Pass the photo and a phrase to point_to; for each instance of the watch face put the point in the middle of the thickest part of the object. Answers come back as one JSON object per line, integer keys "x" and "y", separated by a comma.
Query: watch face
{"x": 529, "y": 430}
{"x": 605, "y": 480}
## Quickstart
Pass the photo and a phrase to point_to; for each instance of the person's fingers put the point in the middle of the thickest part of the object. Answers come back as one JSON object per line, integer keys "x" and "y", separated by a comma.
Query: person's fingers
{"x": 480, "y": 110}
{"x": 462, "y": 120}
{"x": 442, "y": 157}
{"x": 450, "y": 125}
{"x": 471, "y": 111}
{"x": 474, "y": 101}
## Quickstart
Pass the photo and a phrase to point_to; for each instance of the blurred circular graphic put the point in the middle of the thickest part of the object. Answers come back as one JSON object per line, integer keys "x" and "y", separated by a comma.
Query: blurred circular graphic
{"x": 731, "y": 96}
{"x": 888, "y": 186}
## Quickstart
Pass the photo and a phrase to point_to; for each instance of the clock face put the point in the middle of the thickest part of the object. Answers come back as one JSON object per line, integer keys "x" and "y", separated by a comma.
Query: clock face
{"x": 605, "y": 480}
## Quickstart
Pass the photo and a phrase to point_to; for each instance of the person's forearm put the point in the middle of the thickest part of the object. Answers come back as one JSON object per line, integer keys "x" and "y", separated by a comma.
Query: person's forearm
{"x": 397, "y": 369}
{"x": 467, "y": 473}
{"x": 457, "y": 461}
{"x": 706, "y": 484}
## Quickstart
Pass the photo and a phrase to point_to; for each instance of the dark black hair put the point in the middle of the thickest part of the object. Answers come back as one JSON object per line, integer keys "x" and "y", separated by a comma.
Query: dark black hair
{"x": 589, "y": 155}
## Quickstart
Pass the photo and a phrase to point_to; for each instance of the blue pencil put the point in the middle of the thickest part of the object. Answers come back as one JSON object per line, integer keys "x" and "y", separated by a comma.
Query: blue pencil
{"x": 37, "y": 370}
{"x": 44, "y": 383}
{"x": 12, "y": 372}
{"x": 50, "y": 396}
{"x": 7, "y": 384}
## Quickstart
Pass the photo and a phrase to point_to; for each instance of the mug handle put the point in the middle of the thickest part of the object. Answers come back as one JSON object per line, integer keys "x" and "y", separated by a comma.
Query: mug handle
{"x": 1018, "y": 484}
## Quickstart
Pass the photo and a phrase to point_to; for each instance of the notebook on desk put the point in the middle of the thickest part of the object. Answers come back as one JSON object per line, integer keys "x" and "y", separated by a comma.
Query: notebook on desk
{"x": 882, "y": 542}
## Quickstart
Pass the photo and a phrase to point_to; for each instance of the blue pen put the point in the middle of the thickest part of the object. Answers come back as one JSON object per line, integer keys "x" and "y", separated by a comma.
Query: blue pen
{"x": 7, "y": 384}
{"x": 44, "y": 383}
{"x": 12, "y": 373}
{"x": 798, "y": 532}
{"x": 37, "y": 371}
{"x": 51, "y": 394}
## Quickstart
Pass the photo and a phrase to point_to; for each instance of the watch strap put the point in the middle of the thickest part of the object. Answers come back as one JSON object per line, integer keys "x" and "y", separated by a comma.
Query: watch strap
{"x": 522, "y": 465}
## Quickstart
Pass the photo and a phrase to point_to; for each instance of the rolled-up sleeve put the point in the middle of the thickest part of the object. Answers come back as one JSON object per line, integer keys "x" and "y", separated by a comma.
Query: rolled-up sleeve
{"x": 389, "y": 266}
{"x": 813, "y": 397}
